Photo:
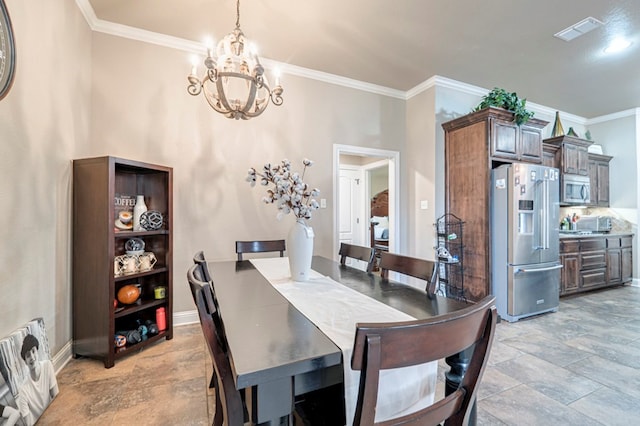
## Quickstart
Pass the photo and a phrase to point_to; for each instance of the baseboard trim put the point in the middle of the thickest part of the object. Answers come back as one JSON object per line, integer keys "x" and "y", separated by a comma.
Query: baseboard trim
{"x": 65, "y": 354}
{"x": 185, "y": 318}
{"x": 62, "y": 357}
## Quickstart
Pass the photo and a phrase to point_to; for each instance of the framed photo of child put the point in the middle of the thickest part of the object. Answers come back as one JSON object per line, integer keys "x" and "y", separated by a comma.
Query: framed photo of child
{"x": 27, "y": 370}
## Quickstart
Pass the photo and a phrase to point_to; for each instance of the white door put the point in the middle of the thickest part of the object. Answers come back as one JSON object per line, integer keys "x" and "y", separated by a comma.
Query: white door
{"x": 350, "y": 215}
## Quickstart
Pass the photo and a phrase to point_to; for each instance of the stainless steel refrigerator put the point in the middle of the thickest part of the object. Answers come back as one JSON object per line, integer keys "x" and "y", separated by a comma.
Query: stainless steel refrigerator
{"x": 525, "y": 210}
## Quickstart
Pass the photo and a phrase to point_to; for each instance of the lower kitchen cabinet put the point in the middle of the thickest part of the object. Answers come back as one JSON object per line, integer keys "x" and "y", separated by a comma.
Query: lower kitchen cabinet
{"x": 570, "y": 259}
{"x": 626, "y": 259}
{"x": 595, "y": 262}
{"x": 614, "y": 261}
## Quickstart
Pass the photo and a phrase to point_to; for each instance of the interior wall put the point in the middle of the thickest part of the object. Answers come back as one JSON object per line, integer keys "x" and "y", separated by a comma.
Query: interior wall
{"x": 379, "y": 180}
{"x": 618, "y": 139}
{"x": 43, "y": 120}
{"x": 421, "y": 173}
{"x": 449, "y": 104}
{"x": 141, "y": 110}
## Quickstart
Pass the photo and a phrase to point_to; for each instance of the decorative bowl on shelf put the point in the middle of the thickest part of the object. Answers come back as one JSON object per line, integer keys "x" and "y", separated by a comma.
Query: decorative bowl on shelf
{"x": 151, "y": 220}
{"x": 134, "y": 246}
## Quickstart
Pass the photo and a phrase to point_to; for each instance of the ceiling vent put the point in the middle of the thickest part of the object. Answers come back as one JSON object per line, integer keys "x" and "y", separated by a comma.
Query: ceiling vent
{"x": 576, "y": 30}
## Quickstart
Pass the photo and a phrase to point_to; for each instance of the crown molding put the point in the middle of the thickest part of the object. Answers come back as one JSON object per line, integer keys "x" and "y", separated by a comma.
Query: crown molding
{"x": 447, "y": 83}
{"x": 132, "y": 33}
{"x": 189, "y": 46}
{"x": 334, "y": 79}
{"x": 633, "y": 112}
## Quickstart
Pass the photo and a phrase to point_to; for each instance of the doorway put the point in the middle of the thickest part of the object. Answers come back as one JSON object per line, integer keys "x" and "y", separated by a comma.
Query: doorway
{"x": 357, "y": 172}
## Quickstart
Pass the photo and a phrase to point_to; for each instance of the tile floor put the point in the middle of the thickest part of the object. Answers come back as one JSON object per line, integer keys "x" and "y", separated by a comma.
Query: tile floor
{"x": 578, "y": 366}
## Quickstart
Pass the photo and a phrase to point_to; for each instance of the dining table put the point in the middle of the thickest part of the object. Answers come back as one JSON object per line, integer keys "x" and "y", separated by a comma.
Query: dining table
{"x": 278, "y": 353}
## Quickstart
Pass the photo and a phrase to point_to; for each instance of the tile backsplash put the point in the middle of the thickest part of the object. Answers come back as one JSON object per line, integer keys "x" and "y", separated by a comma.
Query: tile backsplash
{"x": 618, "y": 224}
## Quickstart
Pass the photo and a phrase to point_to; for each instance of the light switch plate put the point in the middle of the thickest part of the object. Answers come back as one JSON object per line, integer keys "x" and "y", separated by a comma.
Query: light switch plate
{"x": 323, "y": 203}
{"x": 424, "y": 204}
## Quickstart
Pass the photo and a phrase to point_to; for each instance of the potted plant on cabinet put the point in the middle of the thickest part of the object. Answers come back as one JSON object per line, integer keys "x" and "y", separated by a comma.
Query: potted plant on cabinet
{"x": 509, "y": 101}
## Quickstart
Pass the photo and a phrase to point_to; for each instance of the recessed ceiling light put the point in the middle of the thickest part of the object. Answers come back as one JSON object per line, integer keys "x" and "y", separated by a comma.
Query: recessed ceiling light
{"x": 617, "y": 45}
{"x": 576, "y": 30}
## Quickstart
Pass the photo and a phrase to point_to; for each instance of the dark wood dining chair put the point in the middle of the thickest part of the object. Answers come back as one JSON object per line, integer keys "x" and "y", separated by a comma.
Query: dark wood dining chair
{"x": 199, "y": 259}
{"x": 195, "y": 277}
{"x": 382, "y": 346}
{"x": 418, "y": 268}
{"x": 364, "y": 254}
{"x": 196, "y": 280}
{"x": 260, "y": 247}
{"x": 229, "y": 406}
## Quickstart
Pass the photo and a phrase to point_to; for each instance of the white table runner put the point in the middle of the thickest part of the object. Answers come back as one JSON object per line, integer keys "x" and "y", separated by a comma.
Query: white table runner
{"x": 335, "y": 309}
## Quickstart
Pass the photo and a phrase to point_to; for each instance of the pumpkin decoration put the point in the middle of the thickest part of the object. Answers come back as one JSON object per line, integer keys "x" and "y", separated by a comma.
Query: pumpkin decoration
{"x": 128, "y": 294}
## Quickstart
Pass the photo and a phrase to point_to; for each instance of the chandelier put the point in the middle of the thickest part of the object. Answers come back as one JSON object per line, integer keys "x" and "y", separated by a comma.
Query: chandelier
{"x": 235, "y": 84}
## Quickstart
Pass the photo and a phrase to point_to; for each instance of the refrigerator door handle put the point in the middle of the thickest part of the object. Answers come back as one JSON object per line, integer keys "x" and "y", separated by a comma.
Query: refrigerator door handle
{"x": 550, "y": 268}
{"x": 546, "y": 215}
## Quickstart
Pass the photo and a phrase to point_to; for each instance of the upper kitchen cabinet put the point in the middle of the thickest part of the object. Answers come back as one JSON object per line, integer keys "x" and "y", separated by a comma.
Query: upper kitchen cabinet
{"x": 474, "y": 143}
{"x": 573, "y": 155}
{"x": 510, "y": 142}
{"x": 549, "y": 155}
{"x": 599, "y": 179}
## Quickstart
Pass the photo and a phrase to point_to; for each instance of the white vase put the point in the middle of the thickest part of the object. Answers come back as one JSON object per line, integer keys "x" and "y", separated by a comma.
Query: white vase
{"x": 138, "y": 209}
{"x": 300, "y": 250}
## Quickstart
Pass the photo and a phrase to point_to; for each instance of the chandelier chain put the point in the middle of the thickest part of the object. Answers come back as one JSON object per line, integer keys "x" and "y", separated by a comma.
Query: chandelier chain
{"x": 238, "y": 14}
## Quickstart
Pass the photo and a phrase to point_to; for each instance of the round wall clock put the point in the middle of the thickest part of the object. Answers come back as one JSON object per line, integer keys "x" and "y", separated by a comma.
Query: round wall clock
{"x": 7, "y": 51}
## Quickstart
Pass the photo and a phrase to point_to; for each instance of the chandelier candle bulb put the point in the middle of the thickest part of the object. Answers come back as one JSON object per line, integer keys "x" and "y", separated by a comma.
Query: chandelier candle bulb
{"x": 235, "y": 84}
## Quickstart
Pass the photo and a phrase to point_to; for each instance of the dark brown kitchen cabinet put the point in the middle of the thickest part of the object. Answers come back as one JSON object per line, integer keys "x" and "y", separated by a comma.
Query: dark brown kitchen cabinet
{"x": 599, "y": 179}
{"x": 614, "y": 261}
{"x": 570, "y": 260}
{"x": 626, "y": 261}
{"x": 515, "y": 143}
{"x": 549, "y": 157}
{"x": 573, "y": 154}
{"x": 100, "y": 240}
{"x": 592, "y": 262}
{"x": 474, "y": 143}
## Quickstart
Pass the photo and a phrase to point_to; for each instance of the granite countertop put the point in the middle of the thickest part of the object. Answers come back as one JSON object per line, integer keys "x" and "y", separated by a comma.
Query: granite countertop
{"x": 593, "y": 234}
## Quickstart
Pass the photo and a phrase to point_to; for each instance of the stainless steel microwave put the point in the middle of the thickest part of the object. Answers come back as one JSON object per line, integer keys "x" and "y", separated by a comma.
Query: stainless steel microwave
{"x": 576, "y": 189}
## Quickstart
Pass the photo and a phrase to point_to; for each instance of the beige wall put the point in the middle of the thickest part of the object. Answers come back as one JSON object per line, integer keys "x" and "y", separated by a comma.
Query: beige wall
{"x": 141, "y": 110}
{"x": 43, "y": 120}
{"x": 619, "y": 138}
{"x": 421, "y": 172}
{"x": 80, "y": 94}
{"x": 379, "y": 180}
